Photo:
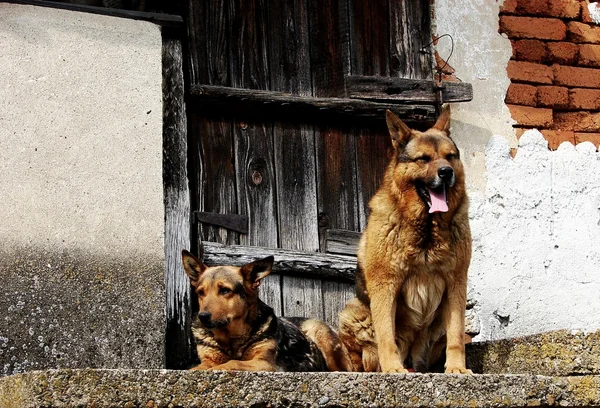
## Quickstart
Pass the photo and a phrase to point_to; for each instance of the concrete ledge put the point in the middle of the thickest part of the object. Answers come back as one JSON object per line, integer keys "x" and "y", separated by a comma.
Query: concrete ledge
{"x": 164, "y": 388}
{"x": 561, "y": 352}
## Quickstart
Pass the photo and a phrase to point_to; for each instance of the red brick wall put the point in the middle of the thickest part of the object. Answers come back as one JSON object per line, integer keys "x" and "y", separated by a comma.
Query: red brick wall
{"x": 554, "y": 69}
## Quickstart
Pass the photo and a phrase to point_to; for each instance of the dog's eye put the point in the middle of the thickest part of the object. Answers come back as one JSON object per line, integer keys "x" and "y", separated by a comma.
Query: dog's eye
{"x": 200, "y": 292}
{"x": 450, "y": 156}
{"x": 224, "y": 291}
{"x": 423, "y": 159}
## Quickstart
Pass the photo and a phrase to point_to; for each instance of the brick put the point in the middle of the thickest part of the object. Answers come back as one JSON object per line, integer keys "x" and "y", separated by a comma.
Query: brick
{"x": 585, "y": 13}
{"x": 553, "y": 96}
{"x": 564, "y": 8}
{"x": 589, "y": 55}
{"x": 521, "y": 94}
{"x": 577, "y": 76}
{"x": 556, "y": 137}
{"x": 534, "y": 7}
{"x": 509, "y": 6}
{"x": 564, "y": 53}
{"x": 584, "y": 99}
{"x": 529, "y": 50}
{"x": 528, "y": 116}
{"x": 577, "y": 121}
{"x": 583, "y": 33}
{"x": 531, "y": 27}
{"x": 530, "y": 72}
{"x": 594, "y": 138}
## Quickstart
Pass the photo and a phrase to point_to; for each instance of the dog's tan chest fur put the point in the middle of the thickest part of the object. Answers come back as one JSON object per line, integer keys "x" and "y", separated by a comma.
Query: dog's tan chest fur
{"x": 421, "y": 296}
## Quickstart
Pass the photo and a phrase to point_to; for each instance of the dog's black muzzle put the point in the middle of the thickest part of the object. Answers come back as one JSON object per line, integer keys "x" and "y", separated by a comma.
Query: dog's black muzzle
{"x": 206, "y": 320}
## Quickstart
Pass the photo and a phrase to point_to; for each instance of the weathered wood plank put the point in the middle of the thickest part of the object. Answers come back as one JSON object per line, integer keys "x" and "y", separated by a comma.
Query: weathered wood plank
{"x": 410, "y": 30}
{"x": 336, "y": 295}
{"x": 406, "y": 90}
{"x": 276, "y": 103}
{"x": 235, "y": 222}
{"x": 335, "y": 147}
{"x": 253, "y": 140}
{"x": 290, "y": 263}
{"x": 289, "y": 65}
{"x": 177, "y": 207}
{"x": 369, "y": 37}
{"x": 217, "y": 193}
{"x": 336, "y": 165}
{"x": 340, "y": 241}
{"x": 165, "y": 20}
{"x": 370, "y": 55}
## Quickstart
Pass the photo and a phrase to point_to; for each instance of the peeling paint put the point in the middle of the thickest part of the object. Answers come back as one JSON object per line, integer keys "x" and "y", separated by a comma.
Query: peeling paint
{"x": 535, "y": 238}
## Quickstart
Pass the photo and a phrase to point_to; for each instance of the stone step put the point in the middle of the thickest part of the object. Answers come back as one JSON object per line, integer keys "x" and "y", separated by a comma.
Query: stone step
{"x": 168, "y": 388}
{"x": 555, "y": 353}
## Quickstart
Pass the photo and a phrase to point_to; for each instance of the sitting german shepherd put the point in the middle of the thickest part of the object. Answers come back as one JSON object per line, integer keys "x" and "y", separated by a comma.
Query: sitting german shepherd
{"x": 235, "y": 330}
{"x": 413, "y": 258}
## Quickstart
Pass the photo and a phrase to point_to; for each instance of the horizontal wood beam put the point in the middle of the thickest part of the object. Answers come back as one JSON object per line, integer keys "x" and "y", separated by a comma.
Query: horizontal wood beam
{"x": 165, "y": 20}
{"x": 304, "y": 105}
{"x": 339, "y": 241}
{"x": 287, "y": 262}
{"x": 406, "y": 90}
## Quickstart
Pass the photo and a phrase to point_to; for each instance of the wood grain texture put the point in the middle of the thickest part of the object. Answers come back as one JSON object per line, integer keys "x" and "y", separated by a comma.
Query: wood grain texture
{"x": 253, "y": 140}
{"x": 410, "y": 31}
{"x": 370, "y": 55}
{"x": 406, "y": 90}
{"x": 369, "y": 37}
{"x": 288, "y": 262}
{"x": 217, "y": 192}
{"x": 336, "y": 167}
{"x": 340, "y": 241}
{"x": 294, "y": 146}
{"x": 273, "y": 103}
{"x": 177, "y": 207}
{"x": 335, "y": 297}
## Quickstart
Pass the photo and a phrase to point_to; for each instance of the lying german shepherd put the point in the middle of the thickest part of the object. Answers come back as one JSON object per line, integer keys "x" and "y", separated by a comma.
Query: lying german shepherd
{"x": 413, "y": 258}
{"x": 235, "y": 330}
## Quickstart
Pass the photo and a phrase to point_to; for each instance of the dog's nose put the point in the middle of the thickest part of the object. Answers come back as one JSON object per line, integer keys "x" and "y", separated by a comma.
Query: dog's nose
{"x": 204, "y": 317}
{"x": 445, "y": 173}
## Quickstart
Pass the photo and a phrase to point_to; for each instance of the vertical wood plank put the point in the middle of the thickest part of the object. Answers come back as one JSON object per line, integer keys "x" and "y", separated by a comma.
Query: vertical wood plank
{"x": 177, "y": 207}
{"x": 410, "y": 30}
{"x": 369, "y": 37}
{"x": 335, "y": 144}
{"x": 253, "y": 141}
{"x": 295, "y": 167}
{"x": 215, "y": 149}
{"x": 335, "y": 148}
{"x": 336, "y": 295}
{"x": 370, "y": 55}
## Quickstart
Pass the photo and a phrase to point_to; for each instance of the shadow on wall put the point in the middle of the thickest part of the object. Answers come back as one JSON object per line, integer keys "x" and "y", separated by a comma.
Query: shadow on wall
{"x": 535, "y": 236}
{"x": 472, "y": 141}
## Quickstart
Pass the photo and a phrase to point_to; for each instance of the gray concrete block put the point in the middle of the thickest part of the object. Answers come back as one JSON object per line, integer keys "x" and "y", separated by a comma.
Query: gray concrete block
{"x": 162, "y": 388}
{"x": 561, "y": 352}
{"x": 75, "y": 309}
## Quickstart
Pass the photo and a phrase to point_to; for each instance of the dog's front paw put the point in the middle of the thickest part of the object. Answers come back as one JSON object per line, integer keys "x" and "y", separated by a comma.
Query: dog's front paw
{"x": 393, "y": 368}
{"x": 458, "y": 370}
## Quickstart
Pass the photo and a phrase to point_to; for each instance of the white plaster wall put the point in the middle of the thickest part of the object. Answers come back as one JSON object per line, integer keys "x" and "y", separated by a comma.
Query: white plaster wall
{"x": 536, "y": 259}
{"x": 480, "y": 57}
{"x": 80, "y": 131}
{"x": 535, "y": 218}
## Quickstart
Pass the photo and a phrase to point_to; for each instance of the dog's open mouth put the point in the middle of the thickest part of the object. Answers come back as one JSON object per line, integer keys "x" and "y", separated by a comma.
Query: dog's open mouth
{"x": 435, "y": 198}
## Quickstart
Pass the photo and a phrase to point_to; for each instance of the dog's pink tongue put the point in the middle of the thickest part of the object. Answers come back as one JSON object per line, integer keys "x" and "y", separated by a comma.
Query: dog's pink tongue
{"x": 438, "y": 200}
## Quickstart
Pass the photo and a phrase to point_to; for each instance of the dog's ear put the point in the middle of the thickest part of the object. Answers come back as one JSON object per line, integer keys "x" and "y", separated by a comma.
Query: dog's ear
{"x": 256, "y": 271}
{"x": 193, "y": 266}
{"x": 443, "y": 122}
{"x": 399, "y": 132}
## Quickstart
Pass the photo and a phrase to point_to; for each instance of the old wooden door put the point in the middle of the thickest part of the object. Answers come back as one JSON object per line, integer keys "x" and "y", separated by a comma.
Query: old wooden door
{"x": 286, "y": 113}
